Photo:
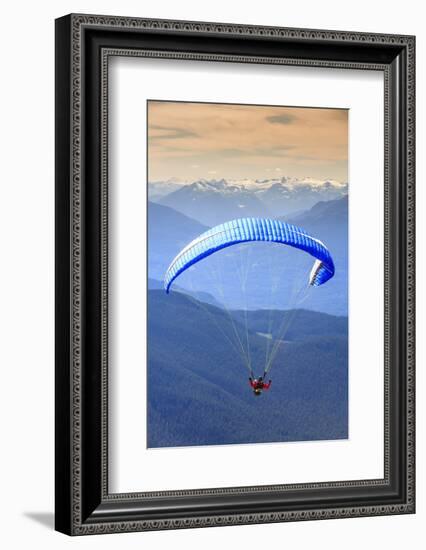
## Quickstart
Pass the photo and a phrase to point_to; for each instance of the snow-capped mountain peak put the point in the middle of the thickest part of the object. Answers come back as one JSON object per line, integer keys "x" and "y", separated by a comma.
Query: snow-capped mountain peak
{"x": 210, "y": 200}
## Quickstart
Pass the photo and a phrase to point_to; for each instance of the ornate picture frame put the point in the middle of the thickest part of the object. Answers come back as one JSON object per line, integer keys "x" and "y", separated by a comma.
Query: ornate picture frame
{"x": 84, "y": 45}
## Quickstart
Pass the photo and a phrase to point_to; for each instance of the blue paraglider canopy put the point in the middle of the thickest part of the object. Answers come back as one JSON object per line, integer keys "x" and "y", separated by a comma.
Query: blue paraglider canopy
{"x": 245, "y": 230}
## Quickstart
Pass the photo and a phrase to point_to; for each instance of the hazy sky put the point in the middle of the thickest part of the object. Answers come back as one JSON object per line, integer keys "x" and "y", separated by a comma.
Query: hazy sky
{"x": 214, "y": 140}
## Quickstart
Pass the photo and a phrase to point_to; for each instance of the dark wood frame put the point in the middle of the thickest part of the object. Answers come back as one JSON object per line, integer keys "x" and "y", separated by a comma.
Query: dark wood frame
{"x": 83, "y": 46}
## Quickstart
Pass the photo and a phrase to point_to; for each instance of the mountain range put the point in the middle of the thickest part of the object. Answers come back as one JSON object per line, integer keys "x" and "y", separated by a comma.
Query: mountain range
{"x": 198, "y": 391}
{"x": 238, "y": 307}
{"x": 257, "y": 275}
{"x": 214, "y": 201}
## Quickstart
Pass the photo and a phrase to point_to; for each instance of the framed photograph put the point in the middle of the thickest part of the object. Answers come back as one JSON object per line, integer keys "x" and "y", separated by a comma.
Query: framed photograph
{"x": 234, "y": 274}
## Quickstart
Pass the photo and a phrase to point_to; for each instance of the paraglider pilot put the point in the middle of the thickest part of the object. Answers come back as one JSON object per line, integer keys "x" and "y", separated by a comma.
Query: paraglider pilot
{"x": 259, "y": 385}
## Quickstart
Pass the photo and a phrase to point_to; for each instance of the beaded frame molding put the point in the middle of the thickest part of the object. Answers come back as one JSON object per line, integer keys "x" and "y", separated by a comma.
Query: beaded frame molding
{"x": 84, "y": 44}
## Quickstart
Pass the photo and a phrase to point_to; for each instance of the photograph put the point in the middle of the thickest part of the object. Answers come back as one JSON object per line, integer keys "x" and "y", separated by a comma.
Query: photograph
{"x": 247, "y": 254}
{"x": 211, "y": 280}
{"x": 235, "y": 273}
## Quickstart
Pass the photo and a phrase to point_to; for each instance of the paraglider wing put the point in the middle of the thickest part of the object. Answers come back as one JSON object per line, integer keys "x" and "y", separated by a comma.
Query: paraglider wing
{"x": 250, "y": 230}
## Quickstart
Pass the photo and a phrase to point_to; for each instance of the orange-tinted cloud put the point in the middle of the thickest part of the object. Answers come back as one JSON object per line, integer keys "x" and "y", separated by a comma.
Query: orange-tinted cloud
{"x": 191, "y": 140}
